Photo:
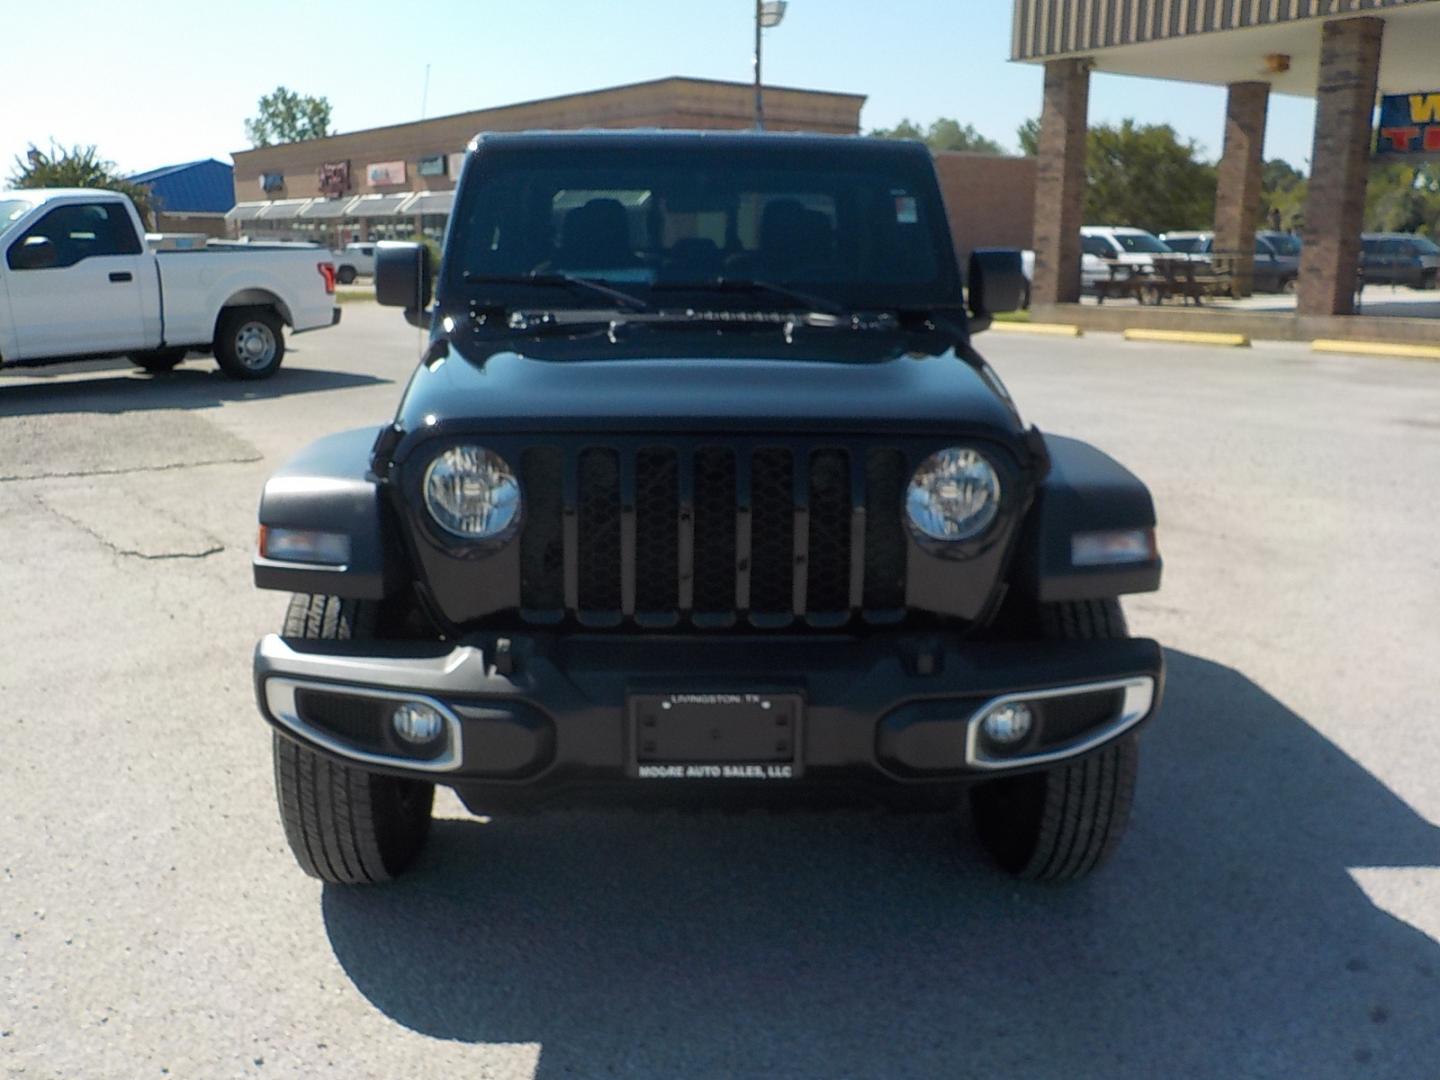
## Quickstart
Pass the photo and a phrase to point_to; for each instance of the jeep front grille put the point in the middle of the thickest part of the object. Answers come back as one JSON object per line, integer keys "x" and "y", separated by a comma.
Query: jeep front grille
{"x": 715, "y": 536}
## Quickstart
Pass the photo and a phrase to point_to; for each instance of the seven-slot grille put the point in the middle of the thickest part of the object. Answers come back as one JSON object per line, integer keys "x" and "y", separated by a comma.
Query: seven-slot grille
{"x": 712, "y": 535}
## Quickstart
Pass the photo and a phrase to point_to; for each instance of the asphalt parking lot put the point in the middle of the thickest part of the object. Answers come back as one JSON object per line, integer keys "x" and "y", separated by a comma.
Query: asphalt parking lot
{"x": 1274, "y": 911}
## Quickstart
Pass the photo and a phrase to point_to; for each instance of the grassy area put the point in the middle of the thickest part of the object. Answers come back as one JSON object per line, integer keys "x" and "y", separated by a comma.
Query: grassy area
{"x": 1013, "y": 316}
{"x": 344, "y": 295}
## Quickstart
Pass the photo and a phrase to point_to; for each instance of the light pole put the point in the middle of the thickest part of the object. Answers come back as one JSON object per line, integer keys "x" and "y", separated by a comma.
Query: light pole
{"x": 768, "y": 13}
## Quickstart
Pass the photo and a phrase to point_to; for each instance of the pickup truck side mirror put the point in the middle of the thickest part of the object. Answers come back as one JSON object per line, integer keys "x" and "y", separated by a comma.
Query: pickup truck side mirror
{"x": 997, "y": 283}
{"x": 402, "y": 277}
{"x": 34, "y": 253}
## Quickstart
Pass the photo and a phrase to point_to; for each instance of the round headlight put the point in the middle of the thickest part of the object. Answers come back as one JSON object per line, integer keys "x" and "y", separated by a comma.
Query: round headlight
{"x": 954, "y": 495}
{"x": 472, "y": 493}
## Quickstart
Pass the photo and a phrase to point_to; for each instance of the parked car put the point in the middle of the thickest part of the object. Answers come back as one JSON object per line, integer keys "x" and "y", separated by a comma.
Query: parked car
{"x": 1105, "y": 246}
{"x": 1187, "y": 242}
{"x": 1277, "y": 256}
{"x": 353, "y": 260}
{"x": 79, "y": 281}
{"x": 1400, "y": 259}
{"x": 716, "y": 503}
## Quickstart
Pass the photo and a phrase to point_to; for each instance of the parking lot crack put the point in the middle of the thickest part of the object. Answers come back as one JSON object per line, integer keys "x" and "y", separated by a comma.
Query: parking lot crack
{"x": 82, "y": 473}
{"x": 176, "y": 541}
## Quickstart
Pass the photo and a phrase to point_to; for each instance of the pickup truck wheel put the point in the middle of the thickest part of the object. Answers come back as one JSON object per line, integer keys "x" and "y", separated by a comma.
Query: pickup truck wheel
{"x": 249, "y": 343}
{"x": 1060, "y": 824}
{"x": 345, "y": 275}
{"x": 159, "y": 359}
{"x": 345, "y": 826}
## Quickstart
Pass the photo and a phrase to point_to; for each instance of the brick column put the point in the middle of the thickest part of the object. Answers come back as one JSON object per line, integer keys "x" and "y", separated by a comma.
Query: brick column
{"x": 1237, "y": 191}
{"x": 1060, "y": 182}
{"x": 1335, "y": 204}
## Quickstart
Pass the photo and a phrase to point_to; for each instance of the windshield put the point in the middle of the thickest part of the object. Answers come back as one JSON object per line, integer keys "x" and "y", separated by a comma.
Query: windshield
{"x": 1141, "y": 242}
{"x": 1185, "y": 244}
{"x": 1283, "y": 243}
{"x": 11, "y": 210}
{"x": 851, "y": 228}
{"x": 1425, "y": 244}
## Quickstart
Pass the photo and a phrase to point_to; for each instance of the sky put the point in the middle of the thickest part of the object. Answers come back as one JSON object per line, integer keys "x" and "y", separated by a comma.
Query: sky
{"x": 174, "y": 80}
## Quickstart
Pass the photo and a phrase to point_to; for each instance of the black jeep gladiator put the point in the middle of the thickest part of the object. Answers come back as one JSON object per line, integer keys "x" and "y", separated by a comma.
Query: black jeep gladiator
{"x": 700, "y": 491}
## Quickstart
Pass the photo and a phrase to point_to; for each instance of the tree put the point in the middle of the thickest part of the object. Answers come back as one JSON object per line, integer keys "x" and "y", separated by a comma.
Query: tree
{"x": 1403, "y": 198}
{"x": 945, "y": 133}
{"x": 1145, "y": 175}
{"x": 1140, "y": 174}
{"x": 1028, "y": 135}
{"x": 286, "y": 116}
{"x": 77, "y": 166}
{"x": 1282, "y": 192}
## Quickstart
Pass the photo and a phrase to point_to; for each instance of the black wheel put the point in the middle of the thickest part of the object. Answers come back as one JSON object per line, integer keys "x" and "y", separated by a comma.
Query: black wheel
{"x": 1428, "y": 279}
{"x": 249, "y": 342}
{"x": 158, "y": 360}
{"x": 1288, "y": 286}
{"x": 346, "y": 826}
{"x": 1060, "y": 824}
{"x": 345, "y": 275}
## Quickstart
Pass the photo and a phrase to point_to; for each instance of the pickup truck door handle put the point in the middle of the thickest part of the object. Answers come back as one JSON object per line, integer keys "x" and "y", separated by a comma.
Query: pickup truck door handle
{"x": 122, "y": 275}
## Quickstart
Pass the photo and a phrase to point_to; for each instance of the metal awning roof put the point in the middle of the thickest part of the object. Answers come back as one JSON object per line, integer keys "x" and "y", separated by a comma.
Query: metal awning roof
{"x": 431, "y": 202}
{"x": 245, "y": 211}
{"x": 283, "y": 209}
{"x": 327, "y": 209}
{"x": 1205, "y": 41}
{"x": 377, "y": 205}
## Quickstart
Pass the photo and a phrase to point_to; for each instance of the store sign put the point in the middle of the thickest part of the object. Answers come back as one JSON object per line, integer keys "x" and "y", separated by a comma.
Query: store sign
{"x": 334, "y": 179}
{"x": 431, "y": 166}
{"x": 271, "y": 182}
{"x": 1409, "y": 125}
{"x": 385, "y": 173}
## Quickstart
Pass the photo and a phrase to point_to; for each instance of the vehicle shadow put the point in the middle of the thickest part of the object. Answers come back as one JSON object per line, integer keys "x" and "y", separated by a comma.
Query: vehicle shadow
{"x": 1228, "y": 938}
{"x": 192, "y": 386}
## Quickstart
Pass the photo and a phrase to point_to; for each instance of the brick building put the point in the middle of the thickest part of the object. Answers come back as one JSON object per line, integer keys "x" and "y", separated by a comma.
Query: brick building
{"x": 1344, "y": 53}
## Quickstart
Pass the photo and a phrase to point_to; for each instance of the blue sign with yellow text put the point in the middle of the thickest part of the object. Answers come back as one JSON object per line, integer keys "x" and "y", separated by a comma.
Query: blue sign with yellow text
{"x": 1409, "y": 125}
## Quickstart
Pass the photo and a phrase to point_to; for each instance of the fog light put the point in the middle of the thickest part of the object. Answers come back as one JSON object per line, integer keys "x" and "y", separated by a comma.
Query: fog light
{"x": 1009, "y": 723}
{"x": 417, "y": 723}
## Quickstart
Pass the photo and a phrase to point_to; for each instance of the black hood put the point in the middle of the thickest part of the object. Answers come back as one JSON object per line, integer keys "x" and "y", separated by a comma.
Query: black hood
{"x": 540, "y": 386}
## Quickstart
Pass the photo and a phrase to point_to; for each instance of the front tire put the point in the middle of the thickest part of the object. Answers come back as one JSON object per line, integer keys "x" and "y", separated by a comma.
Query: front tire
{"x": 345, "y": 825}
{"x": 1064, "y": 822}
{"x": 345, "y": 275}
{"x": 249, "y": 342}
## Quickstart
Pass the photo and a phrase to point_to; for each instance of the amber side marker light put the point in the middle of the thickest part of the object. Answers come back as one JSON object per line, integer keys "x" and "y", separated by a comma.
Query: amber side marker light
{"x": 304, "y": 546}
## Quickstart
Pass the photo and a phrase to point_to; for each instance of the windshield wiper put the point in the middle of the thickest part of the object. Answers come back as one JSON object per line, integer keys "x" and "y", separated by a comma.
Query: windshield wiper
{"x": 574, "y": 281}
{"x": 753, "y": 285}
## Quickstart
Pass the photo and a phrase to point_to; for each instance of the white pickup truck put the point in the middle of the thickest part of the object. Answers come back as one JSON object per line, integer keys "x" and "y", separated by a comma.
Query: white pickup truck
{"x": 78, "y": 281}
{"x": 355, "y": 259}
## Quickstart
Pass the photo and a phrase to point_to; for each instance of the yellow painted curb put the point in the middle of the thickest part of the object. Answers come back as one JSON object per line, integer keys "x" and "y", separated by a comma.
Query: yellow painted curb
{"x": 1053, "y": 329}
{"x": 1378, "y": 348}
{"x": 1189, "y": 337}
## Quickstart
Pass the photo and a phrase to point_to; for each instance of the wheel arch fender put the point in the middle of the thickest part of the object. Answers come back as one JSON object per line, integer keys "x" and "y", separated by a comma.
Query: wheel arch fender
{"x": 1084, "y": 491}
{"x": 329, "y": 487}
{"x": 255, "y": 297}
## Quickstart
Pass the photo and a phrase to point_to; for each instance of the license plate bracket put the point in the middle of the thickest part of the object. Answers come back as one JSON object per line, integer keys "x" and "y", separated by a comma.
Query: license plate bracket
{"x": 716, "y": 736}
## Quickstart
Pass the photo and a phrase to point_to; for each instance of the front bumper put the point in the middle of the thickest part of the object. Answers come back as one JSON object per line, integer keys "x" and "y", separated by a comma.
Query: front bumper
{"x": 541, "y": 713}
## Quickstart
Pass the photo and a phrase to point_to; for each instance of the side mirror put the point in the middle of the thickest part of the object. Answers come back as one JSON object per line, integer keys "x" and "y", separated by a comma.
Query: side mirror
{"x": 34, "y": 253}
{"x": 402, "y": 276}
{"x": 997, "y": 283}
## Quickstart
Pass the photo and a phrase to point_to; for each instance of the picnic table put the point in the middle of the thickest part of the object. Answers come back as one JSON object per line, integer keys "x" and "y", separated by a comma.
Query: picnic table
{"x": 1191, "y": 280}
